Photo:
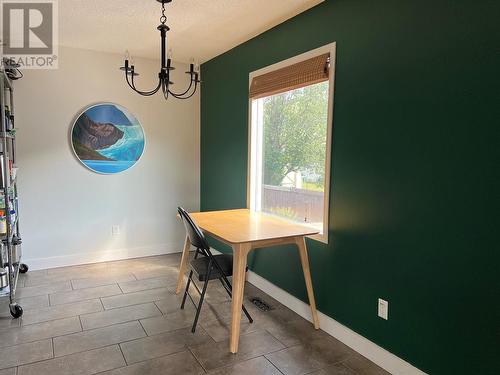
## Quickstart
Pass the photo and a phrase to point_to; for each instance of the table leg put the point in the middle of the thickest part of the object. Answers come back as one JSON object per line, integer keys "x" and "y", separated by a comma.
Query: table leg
{"x": 301, "y": 244}
{"x": 240, "y": 252}
{"x": 183, "y": 265}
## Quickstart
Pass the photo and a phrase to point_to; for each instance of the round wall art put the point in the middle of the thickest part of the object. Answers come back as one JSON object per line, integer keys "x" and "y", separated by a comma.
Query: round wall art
{"x": 107, "y": 138}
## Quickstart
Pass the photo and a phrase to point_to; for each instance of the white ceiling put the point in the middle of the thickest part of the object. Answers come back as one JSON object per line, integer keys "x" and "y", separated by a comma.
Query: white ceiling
{"x": 201, "y": 29}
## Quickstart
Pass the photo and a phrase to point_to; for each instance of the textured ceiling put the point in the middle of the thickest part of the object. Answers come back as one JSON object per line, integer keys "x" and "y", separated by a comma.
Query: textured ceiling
{"x": 201, "y": 29}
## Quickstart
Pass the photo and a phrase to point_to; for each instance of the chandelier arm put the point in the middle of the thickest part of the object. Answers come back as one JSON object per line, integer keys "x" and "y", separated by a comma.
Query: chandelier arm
{"x": 184, "y": 96}
{"x": 165, "y": 90}
{"x": 185, "y": 92}
{"x": 143, "y": 93}
{"x": 131, "y": 85}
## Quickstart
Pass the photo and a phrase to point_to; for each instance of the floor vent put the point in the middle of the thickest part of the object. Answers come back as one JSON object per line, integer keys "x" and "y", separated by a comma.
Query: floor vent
{"x": 261, "y": 304}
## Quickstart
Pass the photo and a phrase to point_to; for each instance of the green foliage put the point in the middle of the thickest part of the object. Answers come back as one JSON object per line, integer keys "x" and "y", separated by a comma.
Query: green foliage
{"x": 316, "y": 186}
{"x": 295, "y": 125}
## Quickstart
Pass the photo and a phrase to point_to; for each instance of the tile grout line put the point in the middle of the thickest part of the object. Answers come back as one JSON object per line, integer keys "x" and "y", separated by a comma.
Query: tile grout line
{"x": 123, "y": 355}
{"x": 272, "y": 364}
{"x": 102, "y": 305}
{"x": 80, "y": 320}
{"x": 161, "y": 312}
{"x": 140, "y": 323}
{"x": 119, "y": 286}
{"x": 196, "y": 359}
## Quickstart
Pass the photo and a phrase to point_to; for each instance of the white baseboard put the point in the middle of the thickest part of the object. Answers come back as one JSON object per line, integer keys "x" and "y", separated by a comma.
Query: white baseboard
{"x": 101, "y": 256}
{"x": 362, "y": 345}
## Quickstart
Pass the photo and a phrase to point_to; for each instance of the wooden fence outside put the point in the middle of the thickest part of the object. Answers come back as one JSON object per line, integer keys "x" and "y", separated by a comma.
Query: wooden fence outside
{"x": 298, "y": 204}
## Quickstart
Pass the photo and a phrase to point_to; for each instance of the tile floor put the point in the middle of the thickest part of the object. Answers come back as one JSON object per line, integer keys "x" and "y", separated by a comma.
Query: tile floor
{"x": 123, "y": 318}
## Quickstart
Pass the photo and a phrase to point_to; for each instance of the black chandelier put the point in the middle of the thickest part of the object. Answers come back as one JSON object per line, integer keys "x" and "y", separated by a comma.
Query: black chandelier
{"x": 164, "y": 82}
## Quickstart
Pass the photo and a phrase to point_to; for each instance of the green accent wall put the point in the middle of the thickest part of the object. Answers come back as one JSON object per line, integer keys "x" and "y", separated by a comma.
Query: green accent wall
{"x": 415, "y": 184}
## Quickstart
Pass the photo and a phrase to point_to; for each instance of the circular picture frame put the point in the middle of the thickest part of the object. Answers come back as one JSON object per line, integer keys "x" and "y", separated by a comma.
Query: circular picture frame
{"x": 107, "y": 138}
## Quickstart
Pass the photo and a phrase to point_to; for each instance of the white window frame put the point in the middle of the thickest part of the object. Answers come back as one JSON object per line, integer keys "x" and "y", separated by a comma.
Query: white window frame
{"x": 254, "y": 158}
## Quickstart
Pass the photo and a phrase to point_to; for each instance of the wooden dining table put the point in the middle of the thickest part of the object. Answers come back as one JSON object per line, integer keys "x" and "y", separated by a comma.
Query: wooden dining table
{"x": 245, "y": 230}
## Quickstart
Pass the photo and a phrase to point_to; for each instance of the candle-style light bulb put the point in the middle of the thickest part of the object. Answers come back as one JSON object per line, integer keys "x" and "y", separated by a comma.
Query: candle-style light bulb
{"x": 191, "y": 65}
{"x": 198, "y": 70}
{"x": 169, "y": 59}
{"x": 125, "y": 67}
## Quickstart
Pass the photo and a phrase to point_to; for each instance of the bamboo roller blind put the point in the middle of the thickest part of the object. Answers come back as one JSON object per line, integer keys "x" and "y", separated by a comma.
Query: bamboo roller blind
{"x": 291, "y": 77}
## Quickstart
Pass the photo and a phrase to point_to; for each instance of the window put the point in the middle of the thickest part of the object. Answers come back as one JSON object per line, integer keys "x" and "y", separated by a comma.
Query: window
{"x": 290, "y": 137}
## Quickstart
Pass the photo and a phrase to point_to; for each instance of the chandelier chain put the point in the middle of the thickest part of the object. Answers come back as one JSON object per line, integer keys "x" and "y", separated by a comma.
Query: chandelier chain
{"x": 163, "y": 17}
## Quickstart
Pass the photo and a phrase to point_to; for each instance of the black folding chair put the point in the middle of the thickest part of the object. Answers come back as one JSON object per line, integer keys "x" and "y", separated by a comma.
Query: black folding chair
{"x": 207, "y": 267}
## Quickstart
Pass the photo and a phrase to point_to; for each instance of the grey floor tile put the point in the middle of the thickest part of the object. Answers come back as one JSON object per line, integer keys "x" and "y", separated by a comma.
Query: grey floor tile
{"x": 40, "y": 331}
{"x": 310, "y": 355}
{"x": 209, "y": 311}
{"x": 135, "y": 298}
{"x": 336, "y": 369}
{"x": 220, "y": 330}
{"x": 40, "y": 290}
{"x": 40, "y": 280}
{"x": 94, "y": 268}
{"x": 160, "y": 261}
{"x": 90, "y": 282}
{"x": 254, "y": 344}
{"x": 148, "y": 286}
{"x": 86, "y": 363}
{"x": 215, "y": 292}
{"x": 84, "y": 294}
{"x": 259, "y": 365}
{"x": 329, "y": 349}
{"x": 69, "y": 273}
{"x": 363, "y": 366}
{"x": 59, "y": 312}
{"x": 252, "y": 291}
{"x": 163, "y": 344}
{"x": 182, "y": 363}
{"x": 119, "y": 315}
{"x": 289, "y": 333}
{"x": 155, "y": 272}
{"x": 171, "y": 303}
{"x": 25, "y": 353}
{"x": 296, "y": 360}
{"x": 215, "y": 300}
{"x": 35, "y": 302}
{"x": 6, "y": 321}
{"x": 167, "y": 323}
{"x": 97, "y": 338}
{"x": 8, "y": 371}
{"x": 145, "y": 284}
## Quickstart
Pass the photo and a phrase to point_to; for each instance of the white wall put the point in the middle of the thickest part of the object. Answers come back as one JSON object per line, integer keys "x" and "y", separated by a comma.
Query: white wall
{"x": 67, "y": 210}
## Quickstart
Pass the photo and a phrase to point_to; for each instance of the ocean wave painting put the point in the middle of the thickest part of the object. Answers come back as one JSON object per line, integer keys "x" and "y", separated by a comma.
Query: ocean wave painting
{"x": 107, "y": 138}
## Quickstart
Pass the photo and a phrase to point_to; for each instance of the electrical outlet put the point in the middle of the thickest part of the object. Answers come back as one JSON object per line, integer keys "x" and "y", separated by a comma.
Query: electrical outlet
{"x": 383, "y": 309}
{"x": 115, "y": 230}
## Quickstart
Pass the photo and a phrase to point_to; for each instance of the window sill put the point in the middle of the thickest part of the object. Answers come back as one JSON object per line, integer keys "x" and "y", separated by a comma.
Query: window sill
{"x": 320, "y": 237}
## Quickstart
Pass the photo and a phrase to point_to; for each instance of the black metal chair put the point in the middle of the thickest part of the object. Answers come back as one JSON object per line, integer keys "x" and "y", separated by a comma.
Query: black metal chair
{"x": 207, "y": 267}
